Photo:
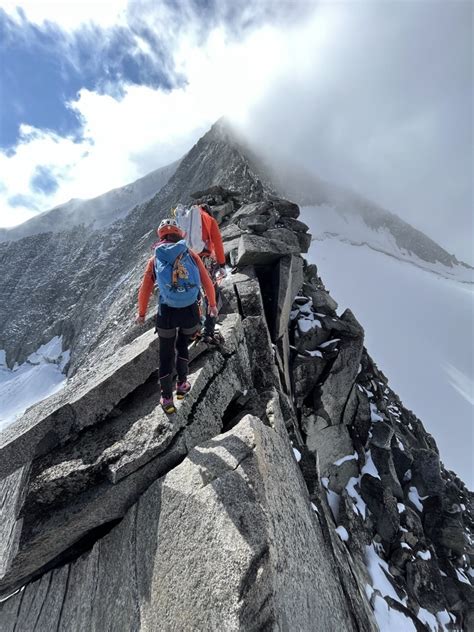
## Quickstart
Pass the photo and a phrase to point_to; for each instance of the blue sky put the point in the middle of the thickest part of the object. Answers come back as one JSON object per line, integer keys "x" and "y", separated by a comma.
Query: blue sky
{"x": 38, "y": 79}
{"x": 372, "y": 96}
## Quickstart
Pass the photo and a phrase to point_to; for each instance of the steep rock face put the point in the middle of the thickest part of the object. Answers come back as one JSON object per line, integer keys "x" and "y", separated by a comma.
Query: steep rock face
{"x": 209, "y": 506}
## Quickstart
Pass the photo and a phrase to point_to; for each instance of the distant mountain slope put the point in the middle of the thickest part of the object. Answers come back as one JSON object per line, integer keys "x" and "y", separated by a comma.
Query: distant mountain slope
{"x": 83, "y": 284}
{"x": 97, "y": 212}
{"x": 351, "y": 218}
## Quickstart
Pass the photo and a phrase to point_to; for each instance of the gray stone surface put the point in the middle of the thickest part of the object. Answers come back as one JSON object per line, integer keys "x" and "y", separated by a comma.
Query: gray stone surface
{"x": 257, "y": 223}
{"x": 105, "y": 470}
{"x": 322, "y": 300}
{"x": 85, "y": 401}
{"x": 384, "y": 463}
{"x": 244, "y": 541}
{"x": 337, "y": 387}
{"x": 289, "y": 276}
{"x": 424, "y": 582}
{"x": 306, "y": 373}
{"x": 331, "y": 444}
{"x": 261, "y": 354}
{"x": 262, "y": 250}
{"x": 231, "y": 231}
{"x": 11, "y": 497}
{"x": 426, "y": 472}
{"x": 222, "y": 211}
{"x": 382, "y": 505}
{"x": 304, "y": 240}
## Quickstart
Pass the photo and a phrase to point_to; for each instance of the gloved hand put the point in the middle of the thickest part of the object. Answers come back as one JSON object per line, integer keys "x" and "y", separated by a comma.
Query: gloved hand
{"x": 140, "y": 319}
{"x": 222, "y": 272}
{"x": 213, "y": 311}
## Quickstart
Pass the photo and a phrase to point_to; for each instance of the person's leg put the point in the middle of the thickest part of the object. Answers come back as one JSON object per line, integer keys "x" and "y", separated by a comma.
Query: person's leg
{"x": 182, "y": 356}
{"x": 189, "y": 325}
{"x": 167, "y": 355}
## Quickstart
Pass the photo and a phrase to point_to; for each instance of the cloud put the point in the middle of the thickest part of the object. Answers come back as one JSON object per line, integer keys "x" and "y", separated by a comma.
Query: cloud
{"x": 134, "y": 129}
{"x": 67, "y": 15}
{"x": 382, "y": 104}
{"x": 461, "y": 382}
{"x": 372, "y": 96}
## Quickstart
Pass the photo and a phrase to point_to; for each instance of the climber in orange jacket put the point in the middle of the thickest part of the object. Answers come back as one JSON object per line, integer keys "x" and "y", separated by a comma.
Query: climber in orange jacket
{"x": 179, "y": 273}
{"x": 213, "y": 257}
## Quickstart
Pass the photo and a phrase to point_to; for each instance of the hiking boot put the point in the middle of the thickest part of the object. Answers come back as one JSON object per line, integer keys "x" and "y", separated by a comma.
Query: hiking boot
{"x": 168, "y": 406}
{"x": 215, "y": 339}
{"x": 182, "y": 388}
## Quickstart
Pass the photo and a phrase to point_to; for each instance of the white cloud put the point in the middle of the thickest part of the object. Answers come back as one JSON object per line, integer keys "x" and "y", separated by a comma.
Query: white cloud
{"x": 68, "y": 15}
{"x": 146, "y": 128}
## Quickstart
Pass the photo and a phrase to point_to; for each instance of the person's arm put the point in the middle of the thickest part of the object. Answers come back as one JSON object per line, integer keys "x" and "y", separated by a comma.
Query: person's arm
{"x": 146, "y": 288}
{"x": 206, "y": 281}
{"x": 216, "y": 239}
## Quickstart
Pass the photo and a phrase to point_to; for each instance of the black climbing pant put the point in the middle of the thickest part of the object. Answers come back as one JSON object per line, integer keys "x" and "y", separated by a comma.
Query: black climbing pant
{"x": 171, "y": 349}
{"x": 175, "y": 327}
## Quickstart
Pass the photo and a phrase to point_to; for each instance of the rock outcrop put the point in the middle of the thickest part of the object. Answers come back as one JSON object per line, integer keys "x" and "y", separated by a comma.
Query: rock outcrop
{"x": 291, "y": 490}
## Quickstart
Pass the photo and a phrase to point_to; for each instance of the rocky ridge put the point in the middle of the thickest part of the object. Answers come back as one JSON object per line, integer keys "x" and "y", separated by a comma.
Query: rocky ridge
{"x": 82, "y": 284}
{"x": 291, "y": 464}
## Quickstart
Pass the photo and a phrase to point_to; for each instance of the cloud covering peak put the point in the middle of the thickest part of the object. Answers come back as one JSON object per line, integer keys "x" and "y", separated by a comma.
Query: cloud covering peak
{"x": 376, "y": 97}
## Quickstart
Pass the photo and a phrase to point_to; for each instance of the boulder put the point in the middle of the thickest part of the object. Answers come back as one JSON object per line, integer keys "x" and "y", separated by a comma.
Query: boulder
{"x": 384, "y": 463}
{"x": 295, "y": 225}
{"x": 232, "y": 231}
{"x": 248, "y": 294}
{"x": 382, "y": 434}
{"x": 339, "y": 475}
{"x": 331, "y": 444}
{"x": 263, "y": 371}
{"x": 222, "y": 211}
{"x": 248, "y": 210}
{"x": 256, "y": 249}
{"x": 425, "y": 584}
{"x": 426, "y": 472}
{"x": 257, "y": 223}
{"x": 335, "y": 390}
{"x": 286, "y": 208}
{"x": 410, "y": 520}
{"x": 402, "y": 461}
{"x": 304, "y": 241}
{"x": 382, "y": 505}
{"x": 284, "y": 235}
{"x": 322, "y": 300}
{"x": 362, "y": 423}
{"x": 306, "y": 372}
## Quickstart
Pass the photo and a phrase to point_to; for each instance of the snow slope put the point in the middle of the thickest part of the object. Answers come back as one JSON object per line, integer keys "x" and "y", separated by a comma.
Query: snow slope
{"x": 419, "y": 330}
{"x": 347, "y": 225}
{"x": 37, "y": 378}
